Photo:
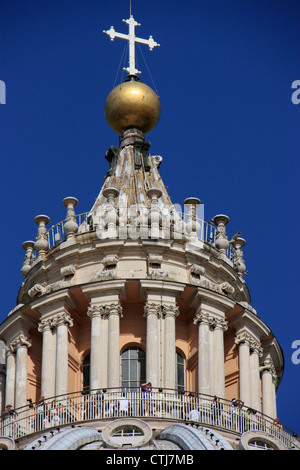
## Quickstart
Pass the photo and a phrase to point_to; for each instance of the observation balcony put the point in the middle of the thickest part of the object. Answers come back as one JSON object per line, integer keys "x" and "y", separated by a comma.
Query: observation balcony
{"x": 139, "y": 223}
{"x": 160, "y": 405}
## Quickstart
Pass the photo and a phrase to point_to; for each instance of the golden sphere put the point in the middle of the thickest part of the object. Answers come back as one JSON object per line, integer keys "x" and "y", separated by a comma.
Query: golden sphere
{"x": 132, "y": 104}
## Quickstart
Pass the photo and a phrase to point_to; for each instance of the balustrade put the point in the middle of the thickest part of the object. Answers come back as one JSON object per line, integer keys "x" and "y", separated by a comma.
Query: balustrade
{"x": 163, "y": 404}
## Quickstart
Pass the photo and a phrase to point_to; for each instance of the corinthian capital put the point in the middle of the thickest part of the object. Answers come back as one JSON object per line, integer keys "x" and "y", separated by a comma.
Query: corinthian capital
{"x": 220, "y": 324}
{"x": 96, "y": 311}
{"x": 63, "y": 318}
{"x": 202, "y": 317}
{"x": 152, "y": 309}
{"x": 243, "y": 338}
{"x": 113, "y": 309}
{"x": 21, "y": 340}
{"x": 170, "y": 310}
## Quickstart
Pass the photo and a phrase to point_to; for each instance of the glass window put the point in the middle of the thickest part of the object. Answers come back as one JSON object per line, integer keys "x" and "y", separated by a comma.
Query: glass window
{"x": 86, "y": 374}
{"x": 133, "y": 364}
{"x": 180, "y": 372}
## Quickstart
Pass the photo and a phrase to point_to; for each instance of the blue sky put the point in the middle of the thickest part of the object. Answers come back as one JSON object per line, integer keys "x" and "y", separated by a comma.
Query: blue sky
{"x": 228, "y": 132}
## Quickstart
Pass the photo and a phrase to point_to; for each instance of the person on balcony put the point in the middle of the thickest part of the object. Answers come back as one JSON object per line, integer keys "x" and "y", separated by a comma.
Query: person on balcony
{"x": 40, "y": 409}
{"x": 146, "y": 395}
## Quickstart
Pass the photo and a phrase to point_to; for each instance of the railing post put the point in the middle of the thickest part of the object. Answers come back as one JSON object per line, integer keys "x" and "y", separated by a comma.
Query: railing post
{"x": 70, "y": 225}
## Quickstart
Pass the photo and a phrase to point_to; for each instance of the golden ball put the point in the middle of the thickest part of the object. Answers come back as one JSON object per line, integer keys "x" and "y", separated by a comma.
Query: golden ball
{"x": 132, "y": 104}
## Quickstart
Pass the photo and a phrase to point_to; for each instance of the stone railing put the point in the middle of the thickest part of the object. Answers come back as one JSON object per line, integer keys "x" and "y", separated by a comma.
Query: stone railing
{"x": 135, "y": 222}
{"x": 160, "y": 404}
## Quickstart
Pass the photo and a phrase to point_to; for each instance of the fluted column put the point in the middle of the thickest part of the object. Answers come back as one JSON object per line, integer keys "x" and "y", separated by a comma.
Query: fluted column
{"x": 114, "y": 312}
{"x": 21, "y": 344}
{"x": 170, "y": 312}
{"x": 243, "y": 340}
{"x": 152, "y": 314}
{"x": 10, "y": 376}
{"x": 255, "y": 354}
{"x": 98, "y": 355}
{"x": 204, "y": 370}
{"x": 48, "y": 357}
{"x": 62, "y": 321}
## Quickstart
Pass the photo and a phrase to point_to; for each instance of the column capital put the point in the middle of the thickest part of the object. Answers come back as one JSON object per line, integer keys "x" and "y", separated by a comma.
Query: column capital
{"x": 112, "y": 309}
{"x": 96, "y": 311}
{"x": 220, "y": 324}
{"x": 256, "y": 348}
{"x": 212, "y": 321}
{"x": 243, "y": 338}
{"x": 152, "y": 308}
{"x": 45, "y": 324}
{"x": 10, "y": 349}
{"x": 63, "y": 318}
{"x": 170, "y": 310}
{"x": 20, "y": 341}
{"x": 202, "y": 317}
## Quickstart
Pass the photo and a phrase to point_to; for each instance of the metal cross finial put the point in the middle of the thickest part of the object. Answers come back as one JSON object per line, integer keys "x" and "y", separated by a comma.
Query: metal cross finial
{"x": 132, "y": 39}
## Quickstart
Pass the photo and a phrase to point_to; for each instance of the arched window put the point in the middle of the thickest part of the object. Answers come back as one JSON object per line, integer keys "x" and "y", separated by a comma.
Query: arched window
{"x": 180, "y": 372}
{"x": 133, "y": 366}
{"x": 86, "y": 374}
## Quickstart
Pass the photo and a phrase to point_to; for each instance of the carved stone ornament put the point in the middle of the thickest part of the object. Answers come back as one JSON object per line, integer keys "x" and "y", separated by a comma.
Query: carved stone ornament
{"x": 210, "y": 320}
{"x": 152, "y": 309}
{"x": 170, "y": 310}
{"x": 105, "y": 310}
{"x": 41, "y": 289}
{"x": 63, "y": 318}
{"x": 195, "y": 273}
{"x": 243, "y": 338}
{"x": 68, "y": 271}
{"x": 109, "y": 271}
{"x": 248, "y": 307}
{"x": 20, "y": 341}
{"x": 227, "y": 288}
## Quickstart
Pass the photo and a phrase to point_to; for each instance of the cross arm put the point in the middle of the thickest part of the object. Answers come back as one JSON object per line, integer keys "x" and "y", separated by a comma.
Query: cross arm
{"x": 113, "y": 34}
{"x": 148, "y": 42}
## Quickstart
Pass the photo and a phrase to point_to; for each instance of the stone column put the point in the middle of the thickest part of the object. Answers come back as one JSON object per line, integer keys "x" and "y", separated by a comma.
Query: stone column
{"x": 98, "y": 369}
{"x": 204, "y": 370}
{"x": 220, "y": 325}
{"x": 21, "y": 344}
{"x": 114, "y": 312}
{"x": 48, "y": 357}
{"x": 10, "y": 376}
{"x": 170, "y": 312}
{"x": 255, "y": 354}
{"x": 62, "y": 321}
{"x": 243, "y": 340}
{"x": 152, "y": 314}
{"x": 268, "y": 388}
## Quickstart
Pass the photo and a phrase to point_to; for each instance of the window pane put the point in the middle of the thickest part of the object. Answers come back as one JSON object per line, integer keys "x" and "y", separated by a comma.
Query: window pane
{"x": 133, "y": 365}
{"x": 125, "y": 369}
